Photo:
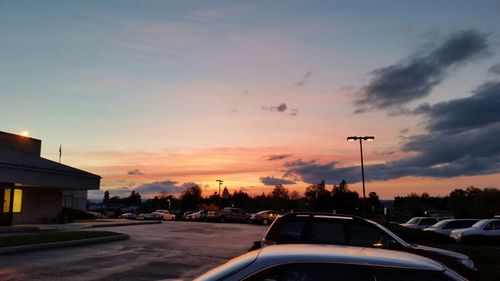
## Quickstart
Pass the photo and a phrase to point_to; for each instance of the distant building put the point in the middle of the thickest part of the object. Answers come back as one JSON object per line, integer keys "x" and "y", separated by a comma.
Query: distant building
{"x": 34, "y": 189}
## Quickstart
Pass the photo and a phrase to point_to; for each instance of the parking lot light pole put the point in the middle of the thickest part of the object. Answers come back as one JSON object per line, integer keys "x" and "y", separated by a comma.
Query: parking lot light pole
{"x": 220, "y": 183}
{"x": 169, "y": 205}
{"x": 361, "y": 139}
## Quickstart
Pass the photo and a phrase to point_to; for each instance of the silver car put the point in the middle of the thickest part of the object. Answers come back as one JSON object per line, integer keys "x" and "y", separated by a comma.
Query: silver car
{"x": 301, "y": 262}
{"x": 446, "y": 226}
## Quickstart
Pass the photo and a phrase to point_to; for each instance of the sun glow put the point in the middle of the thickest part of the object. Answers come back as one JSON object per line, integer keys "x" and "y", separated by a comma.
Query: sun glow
{"x": 25, "y": 133}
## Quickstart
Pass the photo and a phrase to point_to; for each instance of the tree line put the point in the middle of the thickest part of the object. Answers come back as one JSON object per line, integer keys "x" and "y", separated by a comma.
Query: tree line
{"x": 469, "y": 202}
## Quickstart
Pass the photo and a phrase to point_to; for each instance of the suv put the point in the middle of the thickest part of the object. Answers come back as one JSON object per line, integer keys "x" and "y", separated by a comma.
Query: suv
{"x": 229, "y": 214}
{"x": 324, "y": 228}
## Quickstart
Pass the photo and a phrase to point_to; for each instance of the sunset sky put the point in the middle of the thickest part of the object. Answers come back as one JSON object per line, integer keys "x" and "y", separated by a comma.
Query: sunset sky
{"x": 156, "y": 95}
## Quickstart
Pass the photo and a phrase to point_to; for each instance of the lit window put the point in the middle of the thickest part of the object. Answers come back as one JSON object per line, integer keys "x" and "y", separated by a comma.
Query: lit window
{"x": 18, "y": 199}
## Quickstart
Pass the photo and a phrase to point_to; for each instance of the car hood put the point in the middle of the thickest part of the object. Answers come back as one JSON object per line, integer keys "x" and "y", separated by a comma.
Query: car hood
{"x": 441, "y": 252}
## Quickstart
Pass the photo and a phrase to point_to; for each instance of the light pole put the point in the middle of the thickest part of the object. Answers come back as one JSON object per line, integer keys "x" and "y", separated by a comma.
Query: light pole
{"x": 361, "y": 139}
{"x": 169, "y": 206}
{"x": 220, "y": 183}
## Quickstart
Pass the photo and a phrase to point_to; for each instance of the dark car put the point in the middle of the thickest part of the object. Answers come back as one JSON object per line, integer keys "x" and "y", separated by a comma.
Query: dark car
{"x": 264, "y": 217}
{"x": 228, "y": 214}
{"x": 319, "y": 228}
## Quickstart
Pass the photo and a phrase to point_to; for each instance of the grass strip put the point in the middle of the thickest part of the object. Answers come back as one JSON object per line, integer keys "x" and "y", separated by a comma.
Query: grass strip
{"x": 48, "y": 237}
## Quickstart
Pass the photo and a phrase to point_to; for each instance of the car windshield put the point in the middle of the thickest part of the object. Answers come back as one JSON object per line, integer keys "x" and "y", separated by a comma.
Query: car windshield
{"x": 413, "y": 221}
{"x": 439, "y": 224}
{"x": 479, "y": 224}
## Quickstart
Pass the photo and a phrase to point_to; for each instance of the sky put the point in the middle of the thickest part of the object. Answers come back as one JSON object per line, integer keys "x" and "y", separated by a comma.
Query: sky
{"x": 155, "y": 96}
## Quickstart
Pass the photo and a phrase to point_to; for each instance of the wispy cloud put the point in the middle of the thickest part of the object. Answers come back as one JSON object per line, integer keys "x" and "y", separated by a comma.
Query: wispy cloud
{"x": 278, "y": 157}
{"x": 279, "y": 108}
{"x": 135, "y": 172}
{"x": 495, "y": 69}
{"x": 304, "y": 79}
{"x": 415, "y": 77}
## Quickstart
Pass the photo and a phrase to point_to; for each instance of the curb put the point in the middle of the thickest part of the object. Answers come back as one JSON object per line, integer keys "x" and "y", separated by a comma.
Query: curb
{"x": 52, "y": 245}
{"x": 123, "y": 224}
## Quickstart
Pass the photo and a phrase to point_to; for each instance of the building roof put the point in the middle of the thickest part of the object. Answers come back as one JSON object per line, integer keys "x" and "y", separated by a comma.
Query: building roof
{"x": 28, "y": 169}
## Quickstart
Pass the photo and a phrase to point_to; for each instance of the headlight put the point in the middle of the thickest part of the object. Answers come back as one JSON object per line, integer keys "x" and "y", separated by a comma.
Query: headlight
{"x": 467, "y": 263}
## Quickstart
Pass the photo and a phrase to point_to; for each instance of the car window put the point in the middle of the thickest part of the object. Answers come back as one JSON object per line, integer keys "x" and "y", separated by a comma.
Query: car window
{"x": 328, "y": 232}
{"x": 407, "y": 275}
{"x": 427, "y": 221}
{"x": 413, "y": 221}
{"x": 311, "y": 272}
{"x": 291, "y": 229}
{"x": 366, "y": 236}
{"x": 458, "y": 224}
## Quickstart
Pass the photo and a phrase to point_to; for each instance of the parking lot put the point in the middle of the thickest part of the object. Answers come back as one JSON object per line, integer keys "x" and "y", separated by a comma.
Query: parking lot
{"x": 158, "y": 251}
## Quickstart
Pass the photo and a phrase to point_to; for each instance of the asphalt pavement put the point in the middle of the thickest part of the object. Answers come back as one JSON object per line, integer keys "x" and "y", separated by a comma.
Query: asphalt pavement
{"x": 155, "y": 251}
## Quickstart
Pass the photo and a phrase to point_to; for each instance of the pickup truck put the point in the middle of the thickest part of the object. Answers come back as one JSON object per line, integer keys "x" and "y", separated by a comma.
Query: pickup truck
{"x": 229, "y": 214}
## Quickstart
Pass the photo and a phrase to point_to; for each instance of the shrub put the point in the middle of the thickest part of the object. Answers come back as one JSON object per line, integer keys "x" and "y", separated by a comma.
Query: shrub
{"x": 69, "y": 215}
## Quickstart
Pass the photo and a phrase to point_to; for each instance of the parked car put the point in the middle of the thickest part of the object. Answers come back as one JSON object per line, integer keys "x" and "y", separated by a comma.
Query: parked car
{"x": 264, "y": 217}
{"x": 97, "y": 215}
{"x": 199, "y": 216}
{"x": 420, "y": 222}
{"x": 144, "y": 216}
{"x": 487, "y": 227}
{"x": 162, "y": 215}
{"x": 319, "y": 228}
{"x": 129, "y": 216}
{"x": 186, "y": 215}
{"x": 446, "y": 226}
{"x": 228, "y": 214}
{"x": 328, "y": 262}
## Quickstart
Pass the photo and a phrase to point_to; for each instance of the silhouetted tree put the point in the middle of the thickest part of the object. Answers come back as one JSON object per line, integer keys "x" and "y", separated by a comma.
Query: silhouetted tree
{"x": 133, "y": 199}
{"x": 105, "y": 199}
{"x": 344, "y": 200}
{"x": 241, "y": 199}
{"x": 319, "y": 197}
{"x": 191, "y": 198}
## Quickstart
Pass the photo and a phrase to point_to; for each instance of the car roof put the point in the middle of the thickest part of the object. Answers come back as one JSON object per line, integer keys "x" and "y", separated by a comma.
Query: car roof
{"x": 308, "y": 253}
{"x": 321, "y": 215}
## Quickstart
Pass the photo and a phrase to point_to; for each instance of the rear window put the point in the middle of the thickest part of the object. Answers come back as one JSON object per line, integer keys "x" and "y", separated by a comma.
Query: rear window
{"x": 366, "y": 236}
{"x": 327, "y": 232}
{"x": 291, "y": 229}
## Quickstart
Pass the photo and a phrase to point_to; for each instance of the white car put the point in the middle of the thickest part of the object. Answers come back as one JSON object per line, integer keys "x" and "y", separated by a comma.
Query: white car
{"x": 158, "y": 214}
{"x": 420, "y": 222}
{"x": 487, "y": 227}
{"x": 446, "y": 226}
